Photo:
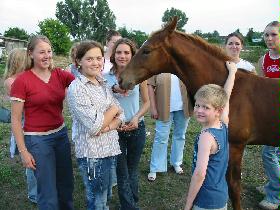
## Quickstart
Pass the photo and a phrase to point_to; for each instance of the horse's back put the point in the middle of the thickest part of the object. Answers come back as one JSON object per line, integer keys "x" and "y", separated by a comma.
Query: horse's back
{"x": 254, "y": 109}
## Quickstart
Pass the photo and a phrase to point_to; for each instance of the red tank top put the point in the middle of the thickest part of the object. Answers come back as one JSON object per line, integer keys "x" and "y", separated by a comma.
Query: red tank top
{"x": 270, "y": 66}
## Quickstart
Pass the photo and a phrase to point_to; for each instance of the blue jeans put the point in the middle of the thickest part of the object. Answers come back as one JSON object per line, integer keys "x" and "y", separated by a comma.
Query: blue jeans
{"x": 96, "y": 178}
{"x": 31, "y": 185}
{"x": 162, "y": 131}
{"x": 270, "y": 157}
{"x": 30, "y": 177}
{"x": 54, "y": 173}
{"x": 198, "y": 208}
{"x": 13, "y": 146}
{"x": 132, "y": 145}
{"x": 112, "y": 180}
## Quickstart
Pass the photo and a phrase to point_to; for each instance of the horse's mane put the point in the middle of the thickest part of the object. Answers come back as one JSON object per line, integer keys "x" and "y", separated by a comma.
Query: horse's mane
{"x": 200, "y": 42}
{"x": 211, "y": 48}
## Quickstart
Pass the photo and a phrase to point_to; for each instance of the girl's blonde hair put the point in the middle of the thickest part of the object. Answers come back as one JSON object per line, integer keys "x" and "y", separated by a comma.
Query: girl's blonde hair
{"x": 212, "y": 94}
{"x": 33, "y": 41}
{"x": 16, "y": 62}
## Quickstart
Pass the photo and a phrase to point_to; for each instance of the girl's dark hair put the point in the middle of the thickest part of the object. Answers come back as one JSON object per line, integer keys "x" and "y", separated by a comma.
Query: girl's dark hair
{"x": 85, "y": 46}
{"x": 126, "y": 41}
{"x": 236, "y": 34}
{"x": 112, "y": 33}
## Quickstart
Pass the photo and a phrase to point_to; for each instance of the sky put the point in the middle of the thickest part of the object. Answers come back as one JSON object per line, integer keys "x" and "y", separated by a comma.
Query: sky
{"x": 225, "y": 16}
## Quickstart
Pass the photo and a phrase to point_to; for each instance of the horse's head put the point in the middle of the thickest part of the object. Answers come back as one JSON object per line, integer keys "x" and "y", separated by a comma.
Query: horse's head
{"x": 151, "y": 58}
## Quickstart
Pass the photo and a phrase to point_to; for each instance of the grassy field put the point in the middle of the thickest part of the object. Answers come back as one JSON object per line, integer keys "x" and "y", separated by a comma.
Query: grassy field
{"x": 168, "y": 192}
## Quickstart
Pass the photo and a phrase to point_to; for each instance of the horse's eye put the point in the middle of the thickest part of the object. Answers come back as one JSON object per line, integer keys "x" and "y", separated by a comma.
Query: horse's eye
{"x": 146, "y": 51}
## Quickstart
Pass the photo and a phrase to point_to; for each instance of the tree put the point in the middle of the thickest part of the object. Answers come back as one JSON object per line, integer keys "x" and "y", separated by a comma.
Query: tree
{"x": 124, "y": 32}
{"x": 57, "y": 33}
{"x": 86, "y": 19}
{"x": 198, "y": 33}
{"x": 249, "y": 36}
{"x": 214, "y": 37}
{"x": 137, "y": 36}
{"x": 254, "y": 38}
{"x": 182, "y": 18}
{"x": 16, "y": 33}
{"x": 238, "y": 31}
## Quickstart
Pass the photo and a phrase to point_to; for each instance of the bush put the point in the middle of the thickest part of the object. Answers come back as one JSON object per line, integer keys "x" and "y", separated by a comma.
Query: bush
{"x": 252, "y": 53}
{"x": 58, "y": 34}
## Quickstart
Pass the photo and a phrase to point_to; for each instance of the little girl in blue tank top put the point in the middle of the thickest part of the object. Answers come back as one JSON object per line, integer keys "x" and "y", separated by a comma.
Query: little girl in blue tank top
{"x": 208, "y": 188}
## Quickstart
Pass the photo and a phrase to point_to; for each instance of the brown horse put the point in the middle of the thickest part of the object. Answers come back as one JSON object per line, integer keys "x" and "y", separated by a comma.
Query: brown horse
{"x": 254, "y": 107}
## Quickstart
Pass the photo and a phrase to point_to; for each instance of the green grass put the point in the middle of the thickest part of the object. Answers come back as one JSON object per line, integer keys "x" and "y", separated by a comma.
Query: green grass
{"x": 168, "y": 192}
{"x": 2, "y": 68}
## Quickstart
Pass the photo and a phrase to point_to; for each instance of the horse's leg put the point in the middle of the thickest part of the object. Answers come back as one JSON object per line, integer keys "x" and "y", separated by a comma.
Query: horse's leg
{"x": 234, "y": 174}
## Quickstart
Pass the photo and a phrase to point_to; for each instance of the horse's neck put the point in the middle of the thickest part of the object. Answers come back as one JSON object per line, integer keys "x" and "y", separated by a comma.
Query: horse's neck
{"x": 197, "y": 69}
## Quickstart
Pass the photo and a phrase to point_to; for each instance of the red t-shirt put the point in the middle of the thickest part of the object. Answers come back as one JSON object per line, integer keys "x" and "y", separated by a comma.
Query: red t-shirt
{"x": 43, "y": 102}
{"x": 270, "y": 66}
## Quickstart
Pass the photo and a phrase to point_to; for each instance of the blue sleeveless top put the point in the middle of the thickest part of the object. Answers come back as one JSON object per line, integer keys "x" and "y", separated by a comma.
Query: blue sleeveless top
{"x": 130, "y": 103}
{"x": 213, "y": 193}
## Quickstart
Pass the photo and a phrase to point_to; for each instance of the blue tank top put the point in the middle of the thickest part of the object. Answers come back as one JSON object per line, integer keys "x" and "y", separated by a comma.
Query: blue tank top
{"x": 213, "y": 193}
{"x": 130, "y": 103}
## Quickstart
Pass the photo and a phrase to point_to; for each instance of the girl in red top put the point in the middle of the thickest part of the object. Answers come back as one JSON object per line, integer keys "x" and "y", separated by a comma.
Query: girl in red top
{"x": 269, "y": 67}
{"x": 43, "y": 142}
{"x": 269, "y": 63}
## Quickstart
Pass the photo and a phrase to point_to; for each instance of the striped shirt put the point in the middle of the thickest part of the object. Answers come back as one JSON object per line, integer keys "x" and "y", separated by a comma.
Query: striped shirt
{"x": 87, "y": 103}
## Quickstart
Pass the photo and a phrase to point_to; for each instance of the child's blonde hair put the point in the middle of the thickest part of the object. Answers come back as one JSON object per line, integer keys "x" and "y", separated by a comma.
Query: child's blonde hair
{"x": 212, "y": 94}
{"x": 273, "y": 24}
{"x": 16, "y": 62}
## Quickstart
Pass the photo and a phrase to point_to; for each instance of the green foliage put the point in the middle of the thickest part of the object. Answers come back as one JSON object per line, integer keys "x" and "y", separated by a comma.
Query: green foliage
{"x": 16, "y": 33}
{"x": 69, "y": 13}
{"x": 238, "y": 31}
{"x": 210, "y": 37}
{"x": 86, "y": 19}
{"x": 198, "y": 33}
{"x": 253, "y": 53}
{"x": 137, "y": 36}
{"x": 2, "y": 69}
{"x": 5, "y": 174}
{"x": 251, "y": 34}
{"x": 214, "y": 37}
{"x": 182, "y": 18}
{"x": 124, "y": 32}
{"x": 58, "y": 34}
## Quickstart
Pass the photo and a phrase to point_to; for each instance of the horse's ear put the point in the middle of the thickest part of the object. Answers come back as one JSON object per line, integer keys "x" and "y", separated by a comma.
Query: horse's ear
{"x": 171, "y": 26}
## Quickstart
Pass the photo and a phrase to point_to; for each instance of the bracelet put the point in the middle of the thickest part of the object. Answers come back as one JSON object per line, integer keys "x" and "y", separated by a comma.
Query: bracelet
{"x": 23, "y": 150}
